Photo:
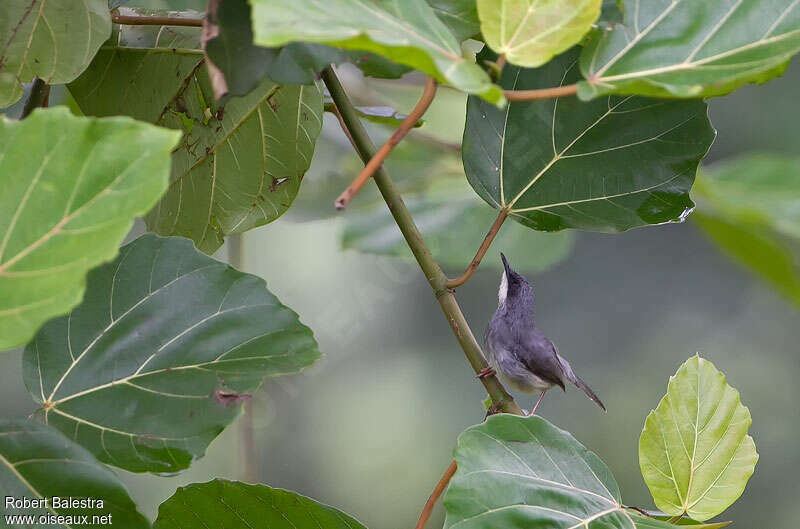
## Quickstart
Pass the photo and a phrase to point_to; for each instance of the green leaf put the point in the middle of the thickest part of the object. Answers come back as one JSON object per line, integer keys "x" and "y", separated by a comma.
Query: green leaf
{"x": 688, "y": 521}
{"x": 757, "y": 247}
{"x": 694, "y": 452}
{"x": 686, "y": 48}
{"x": 381, "y": 115}
{"x": 748, "y": 207}
{"x": 460, "y": 16}
{"x": 54, "y": 40}
{"x": 406, "y": 32}
{"x": 454, "y": 223}
{"x": 175, "y": 340}
{"x": 37, "y": 461}
{"x": 531, "y": 32}
{"x": 607, "y": 165}
{"x": 521, "y": 472}
{"x": 71, "y": 187}
{"x": 226, "y": 504}
{"x": 242, "y": 65}
{"x": 241, "y": 164}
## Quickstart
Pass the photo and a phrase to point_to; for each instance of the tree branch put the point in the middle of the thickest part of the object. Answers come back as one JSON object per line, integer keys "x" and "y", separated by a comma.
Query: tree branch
{"x": 542, "y": 93}
{"x": 134, "y": 20}
{"x": 38, "y": 98}
{"x": 408, "y": 123}
{"x": 437, "y": 491}
{"x": 476, "y": 261}
{"x": 436, "y": 278}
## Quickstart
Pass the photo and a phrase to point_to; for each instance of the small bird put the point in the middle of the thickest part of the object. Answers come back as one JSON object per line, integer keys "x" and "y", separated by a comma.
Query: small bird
{"x": 518, "y": 351}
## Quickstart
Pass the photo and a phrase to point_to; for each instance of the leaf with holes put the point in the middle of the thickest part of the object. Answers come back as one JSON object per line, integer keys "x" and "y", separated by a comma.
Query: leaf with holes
{"x": 607, "y": 165}
{"x": 530, "y": 32}
{"x": 240, "y": 163}
{"x": 694, "y": 452}
{"x": 52, "y": 39}
{"x": 37, "y": 461}
{"x": 521, "y": 472}
{"x": 155, "y": 362}
{"x": 686, "y": 48}
{"x": 71, "y": 187}
{"x": 406, "y": 32}
{"x": 197, "y": 506}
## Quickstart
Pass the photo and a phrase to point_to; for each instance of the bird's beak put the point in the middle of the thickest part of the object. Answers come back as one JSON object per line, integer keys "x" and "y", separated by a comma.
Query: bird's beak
{"x": 505, "y": 264}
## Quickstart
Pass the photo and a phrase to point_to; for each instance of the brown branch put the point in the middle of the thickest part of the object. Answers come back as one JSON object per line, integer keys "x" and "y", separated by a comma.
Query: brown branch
{"x": 476, "y": 261}
{"x": 437, "y": 491}
{"x": 377, "y": 160}
{"x": 134, "y": 20}
{"x": 542, "y": 93}
{"x": 437, "y": 279}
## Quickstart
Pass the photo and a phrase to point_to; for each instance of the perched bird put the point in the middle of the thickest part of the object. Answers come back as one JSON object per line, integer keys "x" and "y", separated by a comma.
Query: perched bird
{"x": 519, "y": 352}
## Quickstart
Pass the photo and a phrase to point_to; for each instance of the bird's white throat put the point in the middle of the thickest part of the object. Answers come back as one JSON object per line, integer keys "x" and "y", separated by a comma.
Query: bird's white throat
{"x": 503, "y": 291}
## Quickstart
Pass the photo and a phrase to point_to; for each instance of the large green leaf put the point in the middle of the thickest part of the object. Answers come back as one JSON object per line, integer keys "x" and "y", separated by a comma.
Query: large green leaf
{"x": 223, "y": 504}
{"x": 406, "y": 32}
{"x": 37, "y": 461}
{"x": 242, "y": 65}
{"x": 530, "y": 32}
{"x": 155, "y": 361}
{"x": 241, "y": 162}
{"x": 453, "y": 221}
{"x": 749, "y": 207}
{"x": 689, "y": 48}
{"x": 52, "y": 39}
{"x": 694, "y": 452}
{"x": 461, "y": 16}
{"x": 71, "y": 188}
{"x": 522, "y": 472}
{"x": 607, "y": 165}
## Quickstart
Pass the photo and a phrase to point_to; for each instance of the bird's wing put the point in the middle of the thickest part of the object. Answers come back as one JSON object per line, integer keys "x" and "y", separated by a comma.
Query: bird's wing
{"x": 540, "y": 357}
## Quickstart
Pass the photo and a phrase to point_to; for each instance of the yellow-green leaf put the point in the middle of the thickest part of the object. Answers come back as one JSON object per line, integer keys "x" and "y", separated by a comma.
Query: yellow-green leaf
{"x": 694, "y": 452}
{"x": 530, "y": 32}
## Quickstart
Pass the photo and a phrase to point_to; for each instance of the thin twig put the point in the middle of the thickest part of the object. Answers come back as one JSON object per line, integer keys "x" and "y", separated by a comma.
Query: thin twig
{"x": 542, "y": 93}
{"x": 38, "y": 98}
{"x": 433, "y": 272}
{"x": 134, "y": 20}
{"x": 437, "y": 491}
{"x": 377, "y": 160}
{"x": 476, "y": 261}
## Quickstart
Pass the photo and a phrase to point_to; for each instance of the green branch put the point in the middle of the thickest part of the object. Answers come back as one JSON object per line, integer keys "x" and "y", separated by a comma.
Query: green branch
{"x": 436, "y": 277}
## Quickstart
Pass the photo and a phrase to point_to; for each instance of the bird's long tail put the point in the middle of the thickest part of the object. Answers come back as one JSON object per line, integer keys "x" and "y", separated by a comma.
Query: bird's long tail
{"x": 586, "y": 389}
{"x": 575, "y": 379}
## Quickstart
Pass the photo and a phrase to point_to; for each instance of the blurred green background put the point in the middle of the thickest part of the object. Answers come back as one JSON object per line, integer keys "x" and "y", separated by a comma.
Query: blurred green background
{"x": 371, "y": 428}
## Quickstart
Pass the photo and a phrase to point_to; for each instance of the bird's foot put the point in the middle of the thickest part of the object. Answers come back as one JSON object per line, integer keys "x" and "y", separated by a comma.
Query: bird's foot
{"x": 487, "y": 371}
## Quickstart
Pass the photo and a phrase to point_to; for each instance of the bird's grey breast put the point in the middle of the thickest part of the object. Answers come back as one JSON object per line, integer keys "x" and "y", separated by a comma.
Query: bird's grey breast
{"x": 507, "y": 349}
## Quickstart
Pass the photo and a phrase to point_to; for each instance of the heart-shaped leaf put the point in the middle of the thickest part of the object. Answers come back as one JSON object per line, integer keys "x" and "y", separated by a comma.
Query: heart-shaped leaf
{"x": 406, "y": 32}
{"x": 530, "y": 32}
{"x": 694, "y": 452}
{"x": 37, "y": 462}
{"x": 241, "y": 162}
{"x": 232, "y": 505}
{"x": 521, "y": 472}
{"x": 155, "y": 361}
{"x": 71, "y": 188}
{"x": 686, "y": 48}
{"x": 606, "y": 165}
{"x": 52, "y": 39}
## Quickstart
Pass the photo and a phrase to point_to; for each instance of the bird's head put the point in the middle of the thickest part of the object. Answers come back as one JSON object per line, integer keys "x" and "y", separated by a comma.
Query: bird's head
{"x": 514, "y": 289}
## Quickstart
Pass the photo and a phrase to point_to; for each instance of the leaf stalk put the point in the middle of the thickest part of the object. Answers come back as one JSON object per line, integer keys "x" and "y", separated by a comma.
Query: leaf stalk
{"x": 487, "y": 242}
{"x": 541, "y": 93}
{"x": 377, "y": 160}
